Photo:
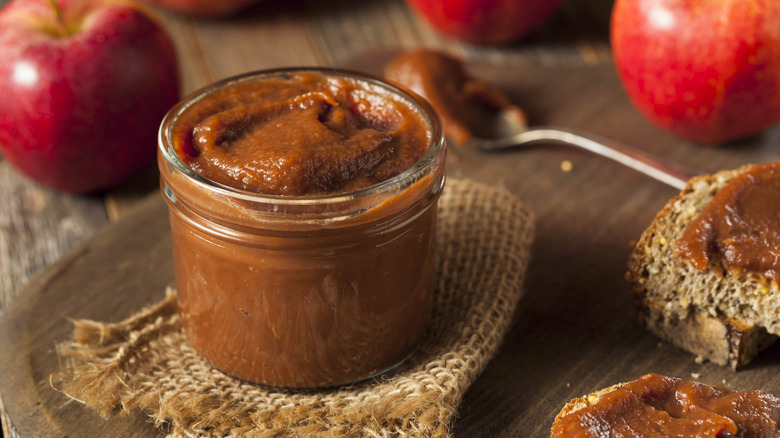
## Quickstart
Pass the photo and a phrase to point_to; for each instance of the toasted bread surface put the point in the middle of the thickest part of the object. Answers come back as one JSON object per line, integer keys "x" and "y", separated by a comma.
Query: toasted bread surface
{"x": 578, "y": 403}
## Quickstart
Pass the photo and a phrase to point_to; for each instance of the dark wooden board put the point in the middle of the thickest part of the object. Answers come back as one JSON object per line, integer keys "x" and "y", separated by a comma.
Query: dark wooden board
{"x": 575, "y": 331}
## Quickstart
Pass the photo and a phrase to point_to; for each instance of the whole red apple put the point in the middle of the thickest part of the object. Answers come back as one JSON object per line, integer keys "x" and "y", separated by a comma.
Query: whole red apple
{"x": 203, "y": 8}
{"x": 84, "y": 85}
{"x": 705, "y": 70}
{"x": 485, "y": 21}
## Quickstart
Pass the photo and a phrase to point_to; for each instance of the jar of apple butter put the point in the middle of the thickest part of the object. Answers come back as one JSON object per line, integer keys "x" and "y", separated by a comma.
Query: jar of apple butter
{"x": 303, "y": 217}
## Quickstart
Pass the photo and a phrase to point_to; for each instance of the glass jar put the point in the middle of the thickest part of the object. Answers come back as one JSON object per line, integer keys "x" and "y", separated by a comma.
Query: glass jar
{"x": 304, "y": 291}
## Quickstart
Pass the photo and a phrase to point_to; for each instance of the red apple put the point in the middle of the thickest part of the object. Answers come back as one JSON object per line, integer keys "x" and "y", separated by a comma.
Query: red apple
{"x": 84, "y": 85}
{"x": 485, "y": 21}
{"x": 203, "y": 8}
{"x": 705, "y": 70}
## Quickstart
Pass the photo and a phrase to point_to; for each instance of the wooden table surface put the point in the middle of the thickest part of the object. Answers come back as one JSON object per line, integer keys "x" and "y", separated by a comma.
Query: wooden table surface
{"x": 586, "y": 216}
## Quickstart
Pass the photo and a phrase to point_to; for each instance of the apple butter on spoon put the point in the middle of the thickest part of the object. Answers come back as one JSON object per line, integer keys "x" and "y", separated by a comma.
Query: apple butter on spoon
{"x": 468, "y": 107}
{"x": 476, "y": 114}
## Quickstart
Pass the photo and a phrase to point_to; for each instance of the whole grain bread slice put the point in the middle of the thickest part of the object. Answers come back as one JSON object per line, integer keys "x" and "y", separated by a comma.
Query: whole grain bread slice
{"x": 723, "y": 316}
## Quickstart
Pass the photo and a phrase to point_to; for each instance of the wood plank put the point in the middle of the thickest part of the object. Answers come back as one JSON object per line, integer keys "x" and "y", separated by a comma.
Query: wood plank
{"x": 574, "y": 331}
{"x": 106, "y": 269}
{"x": 268, "y": 35}
{"x": 38, "y": 224}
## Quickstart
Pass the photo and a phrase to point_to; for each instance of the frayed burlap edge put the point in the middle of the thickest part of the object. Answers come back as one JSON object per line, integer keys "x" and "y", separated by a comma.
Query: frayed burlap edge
{"x": 144, "y": 363}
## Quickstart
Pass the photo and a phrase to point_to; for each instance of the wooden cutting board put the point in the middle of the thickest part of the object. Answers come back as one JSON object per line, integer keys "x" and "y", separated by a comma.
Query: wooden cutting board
{"x": 574, "y": 333}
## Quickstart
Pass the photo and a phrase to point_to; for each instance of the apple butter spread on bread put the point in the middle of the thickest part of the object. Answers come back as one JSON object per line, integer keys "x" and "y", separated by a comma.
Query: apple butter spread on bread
{"x": 659, "y": 406}
{"x": 740, "y": 227}
{"x": 704, "y": 274}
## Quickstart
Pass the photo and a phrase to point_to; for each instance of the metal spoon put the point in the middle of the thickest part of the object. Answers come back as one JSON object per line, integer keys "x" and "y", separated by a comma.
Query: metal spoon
{"x": 510, "y": 132}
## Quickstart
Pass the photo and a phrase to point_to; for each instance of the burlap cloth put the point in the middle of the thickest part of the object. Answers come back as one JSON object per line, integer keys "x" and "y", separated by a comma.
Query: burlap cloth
{"x": 144, "y": 362}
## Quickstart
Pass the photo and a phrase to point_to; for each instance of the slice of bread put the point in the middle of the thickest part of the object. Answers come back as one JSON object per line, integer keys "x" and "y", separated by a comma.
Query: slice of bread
{"x": 722, "y": 316}
{"x": 655, "y": 405}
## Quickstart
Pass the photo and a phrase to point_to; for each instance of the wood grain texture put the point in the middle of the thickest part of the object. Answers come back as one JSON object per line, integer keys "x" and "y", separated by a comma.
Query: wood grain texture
{"x": 117, "y": 270}
{"x": 574, "y": 332}
{"x": 38, "y": 224}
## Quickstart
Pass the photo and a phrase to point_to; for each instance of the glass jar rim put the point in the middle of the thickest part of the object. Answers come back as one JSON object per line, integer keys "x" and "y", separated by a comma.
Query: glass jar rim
{"x": 403, "y": 179}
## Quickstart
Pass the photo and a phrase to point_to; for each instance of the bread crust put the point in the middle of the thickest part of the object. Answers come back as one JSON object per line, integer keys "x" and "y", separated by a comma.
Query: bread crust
{"x": 722, "y": 316}
{"x": 578, "y": 403}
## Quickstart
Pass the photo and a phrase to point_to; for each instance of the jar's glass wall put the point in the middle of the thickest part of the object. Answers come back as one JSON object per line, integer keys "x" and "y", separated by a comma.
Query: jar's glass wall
{"x": 308, "y": 291}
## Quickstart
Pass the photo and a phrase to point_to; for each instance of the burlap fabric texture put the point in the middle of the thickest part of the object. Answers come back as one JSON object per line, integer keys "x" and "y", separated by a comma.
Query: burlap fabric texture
{"x": 145, "y": 363}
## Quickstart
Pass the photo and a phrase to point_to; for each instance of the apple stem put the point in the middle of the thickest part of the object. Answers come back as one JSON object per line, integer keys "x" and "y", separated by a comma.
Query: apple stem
{"x": 61, "y": 27}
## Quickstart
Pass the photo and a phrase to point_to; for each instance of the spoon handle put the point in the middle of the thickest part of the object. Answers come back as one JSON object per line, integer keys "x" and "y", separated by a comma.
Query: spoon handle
{"x": 603, "y": 147}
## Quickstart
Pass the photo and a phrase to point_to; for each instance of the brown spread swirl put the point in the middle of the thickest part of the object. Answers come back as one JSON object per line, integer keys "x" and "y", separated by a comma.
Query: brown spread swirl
{"x": 660, "y": 406}
{"x": 310, "y": 134}
{"x": 740, "y": 227}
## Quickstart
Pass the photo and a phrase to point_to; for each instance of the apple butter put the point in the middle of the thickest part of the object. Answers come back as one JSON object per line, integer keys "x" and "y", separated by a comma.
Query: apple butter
{"x": 300, "y": 135}
{"x": 740, "y": 227}
{"x": 467, "y": 106}
{"x": 660, "y": 406}
{"x": 302, "y": 208}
